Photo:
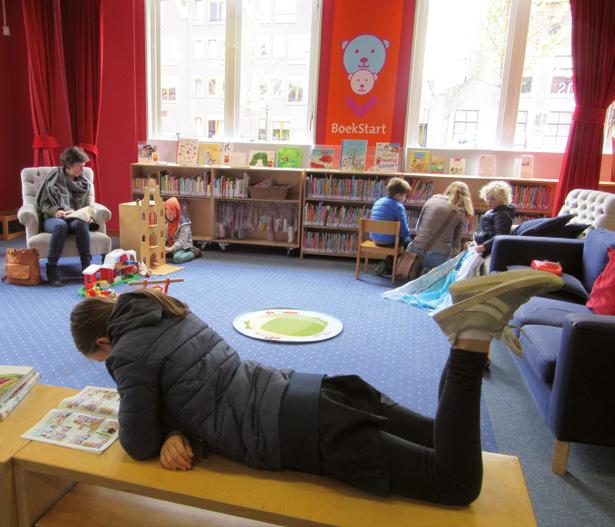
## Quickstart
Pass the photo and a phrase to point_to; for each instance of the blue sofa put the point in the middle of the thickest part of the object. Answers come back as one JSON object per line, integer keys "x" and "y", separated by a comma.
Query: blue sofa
{"x": 568, "y": 362}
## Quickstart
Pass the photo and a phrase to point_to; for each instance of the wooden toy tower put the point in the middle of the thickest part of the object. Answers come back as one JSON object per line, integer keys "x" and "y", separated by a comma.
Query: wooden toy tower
{"x": 142, "y": 226}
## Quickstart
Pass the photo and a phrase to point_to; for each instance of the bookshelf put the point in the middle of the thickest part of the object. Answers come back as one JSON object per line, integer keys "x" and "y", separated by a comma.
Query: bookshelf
{"x": 219, "y": 202}
{"x": 334, "y": 202}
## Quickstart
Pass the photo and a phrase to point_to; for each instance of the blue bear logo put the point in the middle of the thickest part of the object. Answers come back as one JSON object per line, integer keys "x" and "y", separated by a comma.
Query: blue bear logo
{"x": 365, "y": 52}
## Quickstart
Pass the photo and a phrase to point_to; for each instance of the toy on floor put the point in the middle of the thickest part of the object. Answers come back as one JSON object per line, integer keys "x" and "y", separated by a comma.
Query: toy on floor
{"x": 288, "y": 325}
{"x": 161, "y": 285}
{"x": 119, "y": 267}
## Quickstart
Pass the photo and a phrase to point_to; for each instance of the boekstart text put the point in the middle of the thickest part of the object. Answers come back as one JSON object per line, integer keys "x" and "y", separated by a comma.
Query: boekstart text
{"x": 358, "y": 128}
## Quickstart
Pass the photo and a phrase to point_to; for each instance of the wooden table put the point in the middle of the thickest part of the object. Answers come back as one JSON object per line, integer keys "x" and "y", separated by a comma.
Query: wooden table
{"x": 43, "y": 472}
{"x": 36, "y": 404}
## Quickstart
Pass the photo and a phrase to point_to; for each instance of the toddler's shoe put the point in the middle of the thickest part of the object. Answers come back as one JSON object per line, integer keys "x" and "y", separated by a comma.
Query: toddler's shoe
{"x": 497, "y": 298}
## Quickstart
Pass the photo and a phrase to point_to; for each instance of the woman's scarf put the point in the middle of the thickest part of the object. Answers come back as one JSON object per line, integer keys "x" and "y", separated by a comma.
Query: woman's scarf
{"x": 63, "y": 192}
{"x": 172, "y": 205}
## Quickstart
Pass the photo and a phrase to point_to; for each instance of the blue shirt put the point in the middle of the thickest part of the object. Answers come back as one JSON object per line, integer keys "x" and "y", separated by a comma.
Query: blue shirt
{"x": 389, "y": 209}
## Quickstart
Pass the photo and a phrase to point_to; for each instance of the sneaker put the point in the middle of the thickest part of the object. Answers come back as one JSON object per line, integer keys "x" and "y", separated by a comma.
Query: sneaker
{"x": 380, "y": 269}
{"x": 497, "y": 298}
{"x": 196, "y": 251}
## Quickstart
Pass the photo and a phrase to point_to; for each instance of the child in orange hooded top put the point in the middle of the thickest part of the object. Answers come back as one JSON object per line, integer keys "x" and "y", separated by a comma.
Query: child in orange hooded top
{"x": 179, "y": 234}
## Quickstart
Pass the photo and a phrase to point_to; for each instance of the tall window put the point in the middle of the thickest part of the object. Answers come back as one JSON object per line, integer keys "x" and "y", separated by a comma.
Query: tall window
{"x": 558, "y": 126}
{"x": 270, "y": 75}
{"x": 464, "y": 55}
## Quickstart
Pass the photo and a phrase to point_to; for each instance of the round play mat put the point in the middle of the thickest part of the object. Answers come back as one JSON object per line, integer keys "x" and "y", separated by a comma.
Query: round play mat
{"x": 287, "y": 325}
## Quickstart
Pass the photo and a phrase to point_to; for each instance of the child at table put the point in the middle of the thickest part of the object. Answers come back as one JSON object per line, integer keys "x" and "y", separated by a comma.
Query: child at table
{"x": 182, "y": 385}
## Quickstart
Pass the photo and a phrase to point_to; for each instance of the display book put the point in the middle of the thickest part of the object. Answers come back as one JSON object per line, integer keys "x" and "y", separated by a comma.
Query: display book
{"x": 86, "y": 421}
{"x": 15, "y": 383}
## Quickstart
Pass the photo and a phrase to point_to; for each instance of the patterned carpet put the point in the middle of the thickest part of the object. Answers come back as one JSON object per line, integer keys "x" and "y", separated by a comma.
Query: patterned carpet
{"x": 397, "y": 348}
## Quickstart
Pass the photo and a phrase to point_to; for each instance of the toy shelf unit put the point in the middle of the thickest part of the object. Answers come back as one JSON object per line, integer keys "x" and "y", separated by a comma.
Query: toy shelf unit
{"x": 334, "y": 203}
{"x": 191, "y": 185}
{"x": 257, "y": 206}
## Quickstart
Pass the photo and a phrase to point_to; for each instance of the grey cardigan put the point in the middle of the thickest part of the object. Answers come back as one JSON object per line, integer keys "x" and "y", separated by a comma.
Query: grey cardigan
{"x": 436, "y": 211}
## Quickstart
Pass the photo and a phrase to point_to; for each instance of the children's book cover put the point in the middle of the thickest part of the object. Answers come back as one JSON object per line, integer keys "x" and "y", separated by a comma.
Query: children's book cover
{"x": 261, "y": 158}
{"x": 289, "y": 157}
{"x": 457, "y": 165}
{"x": 145, "y": 152}
{"x": 321, "y": 157}
{"x": 354, "y": 152}
{"x": 209, "y": 154}
{"x": 11, "y": 378}
{"x": 486, "y": 165}
{"x": 419, "y": 161}
{"x": 226, "y": 153}
{"x": 436, "y": 165}
{"x": 527, "y": 165}
{"x": 187, "y": 151}
{"x": 386, "y": 158}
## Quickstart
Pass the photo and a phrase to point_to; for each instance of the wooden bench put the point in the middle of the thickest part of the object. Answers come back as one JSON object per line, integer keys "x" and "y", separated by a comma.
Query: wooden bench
{"x": 36, "y": 404}
{"x": 9, "y": 225}
{"x": 44, "y": 473}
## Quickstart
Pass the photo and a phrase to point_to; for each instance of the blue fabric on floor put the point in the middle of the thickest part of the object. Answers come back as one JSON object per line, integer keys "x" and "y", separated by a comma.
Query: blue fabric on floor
{"x": 399, "y": 350}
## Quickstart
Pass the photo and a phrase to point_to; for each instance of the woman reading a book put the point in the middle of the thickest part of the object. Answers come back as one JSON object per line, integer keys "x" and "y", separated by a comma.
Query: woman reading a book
{"x": 438, "y": 232}
{"x": 65, "y": 189}
{"x": 182, "y": 385}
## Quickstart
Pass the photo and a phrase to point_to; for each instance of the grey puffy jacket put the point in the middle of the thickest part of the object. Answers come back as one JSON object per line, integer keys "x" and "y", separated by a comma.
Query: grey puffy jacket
{"x": 178, "y": 374}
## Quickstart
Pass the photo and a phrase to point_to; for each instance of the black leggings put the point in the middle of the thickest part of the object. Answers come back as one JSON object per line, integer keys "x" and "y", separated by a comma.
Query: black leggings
{"x": 440, "y": 460}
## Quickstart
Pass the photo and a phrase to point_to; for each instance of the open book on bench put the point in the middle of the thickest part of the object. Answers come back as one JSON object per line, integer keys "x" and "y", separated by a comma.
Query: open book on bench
{"x": 86, "y": 421}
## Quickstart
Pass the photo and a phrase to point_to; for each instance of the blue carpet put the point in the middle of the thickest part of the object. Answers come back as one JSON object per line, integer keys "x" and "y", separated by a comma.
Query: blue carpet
{"x": 397, "y": 348}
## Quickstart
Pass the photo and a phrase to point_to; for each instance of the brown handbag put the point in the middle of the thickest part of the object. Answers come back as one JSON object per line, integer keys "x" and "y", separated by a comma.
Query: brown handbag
{"x": 22, "y": 267}
{"x": 410, "y": 264}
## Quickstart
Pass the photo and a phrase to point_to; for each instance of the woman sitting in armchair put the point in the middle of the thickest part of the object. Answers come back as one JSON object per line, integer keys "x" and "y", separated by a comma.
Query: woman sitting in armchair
{"x": 64, "y": 190}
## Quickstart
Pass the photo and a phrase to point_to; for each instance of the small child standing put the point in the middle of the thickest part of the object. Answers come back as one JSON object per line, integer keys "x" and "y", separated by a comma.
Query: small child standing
{"x": 179, "y": 234}
{"x": 391, "y": 208}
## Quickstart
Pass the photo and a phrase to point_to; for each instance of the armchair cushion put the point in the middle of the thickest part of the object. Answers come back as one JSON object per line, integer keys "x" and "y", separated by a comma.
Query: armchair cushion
{"x": 546, "y": 312}
{"x": 541, "y": 345}
{"x": 595, "y": 254}
{"x": 558, "y": 227}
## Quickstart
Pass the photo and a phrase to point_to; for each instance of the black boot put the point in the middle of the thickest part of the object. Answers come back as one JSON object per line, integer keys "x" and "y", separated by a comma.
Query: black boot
{"x": 85, "y": 262}
{"x": 52, "y": 275}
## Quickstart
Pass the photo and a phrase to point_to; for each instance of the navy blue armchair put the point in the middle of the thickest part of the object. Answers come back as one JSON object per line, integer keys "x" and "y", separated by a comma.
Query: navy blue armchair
{"x": 568, "y": 362}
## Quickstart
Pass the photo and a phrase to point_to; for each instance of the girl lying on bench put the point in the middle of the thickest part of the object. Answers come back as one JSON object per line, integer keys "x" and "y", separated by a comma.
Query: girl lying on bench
{"x": 181, "y": 385}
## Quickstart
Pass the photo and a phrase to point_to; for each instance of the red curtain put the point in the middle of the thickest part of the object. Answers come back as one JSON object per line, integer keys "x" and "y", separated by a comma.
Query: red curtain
{"x": 44, "y": 44}
{"x": 593, "y": 63}
{"x": 83, "y": 45}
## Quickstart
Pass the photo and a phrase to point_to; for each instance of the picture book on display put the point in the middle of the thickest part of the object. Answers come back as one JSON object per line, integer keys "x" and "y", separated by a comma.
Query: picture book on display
{"x": 261, "y": 158}
{"x": 486, "y": 165}
{"x": 187, "y": 151}
{"x": 145, "y": 152}
{"x": 436, "y": 165}
{"x": 86, "y": 421}
{"x": 209, "y": 154}
{"x": 527, "y": 166}
{"x": 15, "y": 383}
{"x": 386, "y": 158}
{"x": 226, "y": 153}
{"x": 289, "y": 157}
{"x": 419, "y": 161}
{"x": 354, "y": 152}
{"x": 321, "y": 157}
{"x": 457, "y": 165}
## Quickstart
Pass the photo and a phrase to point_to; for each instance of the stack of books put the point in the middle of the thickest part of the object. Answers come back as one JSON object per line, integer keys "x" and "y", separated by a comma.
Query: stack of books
{"x": 15, "y": 383}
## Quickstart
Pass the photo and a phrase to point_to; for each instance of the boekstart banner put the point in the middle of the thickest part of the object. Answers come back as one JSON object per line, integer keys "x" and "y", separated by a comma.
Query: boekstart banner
{"x": 364, "y": 70}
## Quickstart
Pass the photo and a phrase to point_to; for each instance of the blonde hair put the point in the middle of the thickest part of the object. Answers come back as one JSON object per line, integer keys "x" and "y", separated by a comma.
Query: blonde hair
{"x": 397, "y": 185}
{"x": 459, "y": 197}
{"x": 499, "y": 190}
{"x": 89, "y": 318}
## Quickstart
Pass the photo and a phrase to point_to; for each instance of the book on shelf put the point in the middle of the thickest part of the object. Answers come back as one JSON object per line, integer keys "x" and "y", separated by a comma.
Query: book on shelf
{"x": 527, "y": 166}
{"x": 330, "y": 243}
{"x": 457, "y": 165}
{"x": 226, "y": 152}
{"x": 187, "y": 151}
{"x": 86, "y": 421}
{"x": 354, "y": 153}
{"x": 209, "y": 154}
{"x": 289, "y": 157}
{"x": 15, "y": 383}
{"x": 261, "y": 158}
{"x": 145, "y": 152}
{"x": 486, "y": 165}
{"x": 421, "y": 191}
{"x": 321, "y": 215}
{"x": 386, "y": 158}
{"x": 419, "y": 161}
{"x": 353, "y": 188}
{"x": 436, "y": 164}
{"x": 321, "y": 157}
{"x": 537, "y": 197}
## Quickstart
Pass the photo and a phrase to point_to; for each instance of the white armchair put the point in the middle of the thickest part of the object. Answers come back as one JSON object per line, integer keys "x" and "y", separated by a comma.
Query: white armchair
{"x": 592, "y": 207}
{"x": 31, "y": 179}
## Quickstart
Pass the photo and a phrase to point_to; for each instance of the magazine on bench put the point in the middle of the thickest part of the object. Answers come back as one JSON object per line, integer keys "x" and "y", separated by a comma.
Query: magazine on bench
{"x": 86, "y": 421}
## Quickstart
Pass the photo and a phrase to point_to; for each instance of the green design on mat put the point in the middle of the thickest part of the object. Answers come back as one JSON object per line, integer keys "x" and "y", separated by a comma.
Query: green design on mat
{"x": 295, "y": 326}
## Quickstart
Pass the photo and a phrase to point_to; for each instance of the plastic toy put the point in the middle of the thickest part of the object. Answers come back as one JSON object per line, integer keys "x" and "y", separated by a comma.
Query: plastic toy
{"x": 161, "y": 285}
{"x": 119, "y": 266}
